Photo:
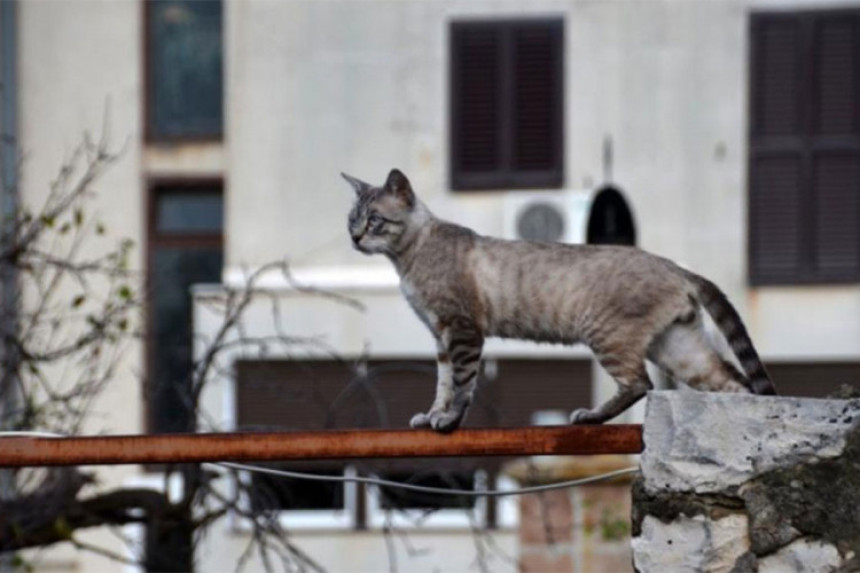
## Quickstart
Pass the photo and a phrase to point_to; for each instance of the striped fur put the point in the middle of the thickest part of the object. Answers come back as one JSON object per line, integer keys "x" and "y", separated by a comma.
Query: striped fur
{"x": 627, "y": 305}
{"x": 730, "y": 324}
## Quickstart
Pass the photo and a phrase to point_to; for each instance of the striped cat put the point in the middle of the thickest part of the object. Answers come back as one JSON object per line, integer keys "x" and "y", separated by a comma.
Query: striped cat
{"x": 625, "y": 304}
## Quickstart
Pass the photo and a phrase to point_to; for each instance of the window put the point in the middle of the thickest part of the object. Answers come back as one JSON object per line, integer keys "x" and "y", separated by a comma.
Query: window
{"x": 507, "y": 104}
{"x": 185, "y": 248}
{"x": 184, "y": 91}
{"x": 804, "y": 164}
{"x": 395, "y": 507}
{"x": 323, "y": 394}
{"x": 812, "y": 379}
{"x": 301, "y": 503}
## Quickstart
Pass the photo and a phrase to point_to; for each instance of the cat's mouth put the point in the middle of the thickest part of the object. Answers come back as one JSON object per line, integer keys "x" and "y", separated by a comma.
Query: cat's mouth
{"x": 356, "y": 243}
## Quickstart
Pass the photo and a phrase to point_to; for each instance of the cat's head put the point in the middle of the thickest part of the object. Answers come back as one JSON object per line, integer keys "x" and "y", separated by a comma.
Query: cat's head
{"x": 384, "y": 219}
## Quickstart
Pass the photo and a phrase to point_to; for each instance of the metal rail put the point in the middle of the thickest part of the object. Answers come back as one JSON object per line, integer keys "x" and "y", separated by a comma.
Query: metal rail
{"x": 334, "y": 444}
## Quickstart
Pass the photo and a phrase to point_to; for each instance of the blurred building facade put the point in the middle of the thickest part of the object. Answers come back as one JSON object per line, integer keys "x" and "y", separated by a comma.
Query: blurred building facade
{"x": 734, "y": 138}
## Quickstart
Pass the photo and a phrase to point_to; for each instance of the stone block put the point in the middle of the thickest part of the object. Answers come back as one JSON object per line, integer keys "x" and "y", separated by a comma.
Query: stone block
{"x": 710, "y": 442}
{"x": 691, "y": 544}
{"x": 737, "y": 483}
{"x": 802, "y": 555}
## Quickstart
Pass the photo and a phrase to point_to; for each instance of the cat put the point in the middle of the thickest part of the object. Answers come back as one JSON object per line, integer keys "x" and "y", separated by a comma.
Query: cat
{"x": 625, "y": 304}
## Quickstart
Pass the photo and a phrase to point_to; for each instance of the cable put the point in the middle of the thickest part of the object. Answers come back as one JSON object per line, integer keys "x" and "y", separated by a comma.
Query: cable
{"x": 30, "y": 434}
{"x": 377, "y": 481}
{"x": 427, "y": 489}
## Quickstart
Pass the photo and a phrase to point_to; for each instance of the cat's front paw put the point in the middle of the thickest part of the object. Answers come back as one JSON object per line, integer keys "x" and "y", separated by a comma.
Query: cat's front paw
{"x": 420, "y": 420}
{"x": 446, "y": 421}
{"x": 583, "y": 416}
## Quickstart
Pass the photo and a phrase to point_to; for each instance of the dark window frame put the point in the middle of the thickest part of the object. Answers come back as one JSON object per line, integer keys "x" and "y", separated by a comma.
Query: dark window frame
{"x": 506, "y": 177}
{"x": 807, "y": 145}
{"x": 150, "y": 136}
{"x": 155, "y": 239}
{"x": 812, "y": 378}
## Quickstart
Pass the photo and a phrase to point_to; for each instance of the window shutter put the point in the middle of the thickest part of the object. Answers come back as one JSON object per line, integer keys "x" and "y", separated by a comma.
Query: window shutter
{"x": 837, "y": 215}
{"x": 836, "y": 164}
{"x": 776, "y": 217}
{"x": 537, "y": 105}
{"x": 776, "y": 77}
{"x": 318, "y": 394}
{"x": 476, "y": 84}
{"x": 507, "y": 89}
{"x": 804, "y": 209}
{"x": 776, "y": 173}
{"x": 812, "y": 379}
{"x": 836, "y": 76}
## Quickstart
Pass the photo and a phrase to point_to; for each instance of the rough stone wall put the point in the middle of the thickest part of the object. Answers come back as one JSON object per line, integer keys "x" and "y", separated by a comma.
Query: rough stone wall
{"x": 736, "y": 483}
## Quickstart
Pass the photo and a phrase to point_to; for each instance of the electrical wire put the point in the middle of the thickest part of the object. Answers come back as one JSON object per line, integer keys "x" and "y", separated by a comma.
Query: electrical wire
{"x": 428, "y": 489}
{"x": 378, "y": 481}
{"x": 30, "y": 434}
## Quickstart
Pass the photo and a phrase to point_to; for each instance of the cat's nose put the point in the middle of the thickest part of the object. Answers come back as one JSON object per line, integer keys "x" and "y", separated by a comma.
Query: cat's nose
{"x": 356, "y": 237}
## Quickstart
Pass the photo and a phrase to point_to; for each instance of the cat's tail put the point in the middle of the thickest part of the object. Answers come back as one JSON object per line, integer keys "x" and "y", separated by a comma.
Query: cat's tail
{"x": 730, "y": 324}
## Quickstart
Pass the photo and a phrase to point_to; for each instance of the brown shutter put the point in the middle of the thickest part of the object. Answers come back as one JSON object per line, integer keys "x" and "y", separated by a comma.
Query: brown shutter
{"x": 836, "y": 148}
{"x": 476, "y": 84}
{"x": 507, "y": 100}
{"x": 837, "y": 215}
{"x": 804, "y": 210}
{"x": 775, "y": 205}
{"x": 322, "y": 394}
{"x": 319, "y": 394}
{"x": 776, "y": 78}
{"x": 523, "y": 387}
{"x": 836, "y": 101}
{"x": 811, "y": 379}
{"x": 538, "y": 106}
{"x": 776, "y": 147}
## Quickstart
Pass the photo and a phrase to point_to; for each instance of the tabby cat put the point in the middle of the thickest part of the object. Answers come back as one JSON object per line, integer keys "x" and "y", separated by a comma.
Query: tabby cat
{"x": 625, "y": 304}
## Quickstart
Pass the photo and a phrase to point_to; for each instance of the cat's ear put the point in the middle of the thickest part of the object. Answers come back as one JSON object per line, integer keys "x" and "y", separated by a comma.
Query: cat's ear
{"x": 399, "y": 185}
{"x": 357, "y": 185}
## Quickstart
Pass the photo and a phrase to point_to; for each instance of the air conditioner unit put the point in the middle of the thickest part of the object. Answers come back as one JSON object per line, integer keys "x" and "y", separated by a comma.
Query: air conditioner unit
{"x": 559, "y": 216}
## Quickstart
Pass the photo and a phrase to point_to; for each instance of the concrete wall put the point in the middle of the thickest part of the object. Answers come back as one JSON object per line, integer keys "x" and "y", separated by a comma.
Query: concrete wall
{"x": 68, "y": 88}
{"x": 79, "y": 69}
{"x": 319, "y": 88}
{"x": 665, "y": 80}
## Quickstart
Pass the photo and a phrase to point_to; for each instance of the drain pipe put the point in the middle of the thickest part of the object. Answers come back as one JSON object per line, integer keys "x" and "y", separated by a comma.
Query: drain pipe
{"x": 8, "y": 201}
{"x": 9, "y": 111}
{"x": 8, "y": 209}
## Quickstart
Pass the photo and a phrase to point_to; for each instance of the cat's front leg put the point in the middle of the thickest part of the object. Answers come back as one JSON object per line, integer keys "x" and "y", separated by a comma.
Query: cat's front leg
{"x": 459, "y": 359}
{"x": 444, "y": 388}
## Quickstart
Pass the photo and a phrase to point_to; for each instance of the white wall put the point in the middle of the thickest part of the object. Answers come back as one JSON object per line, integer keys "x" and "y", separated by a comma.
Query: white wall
{"x": 79, "y": 66}
{"x": 319, "y": 88}
{"x": 79, "y": 72}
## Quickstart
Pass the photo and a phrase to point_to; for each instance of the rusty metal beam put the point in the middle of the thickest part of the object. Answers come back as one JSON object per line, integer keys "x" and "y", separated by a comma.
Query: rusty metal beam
{"x": 179, "y": 448}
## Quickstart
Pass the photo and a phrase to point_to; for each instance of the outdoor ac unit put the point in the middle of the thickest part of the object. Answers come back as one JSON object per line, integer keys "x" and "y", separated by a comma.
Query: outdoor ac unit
{"x": 560, "y": 216}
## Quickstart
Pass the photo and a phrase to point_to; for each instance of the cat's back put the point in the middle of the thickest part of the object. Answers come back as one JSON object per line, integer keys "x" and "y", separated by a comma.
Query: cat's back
{"x": 453, "y": 256}
{"x": 549, "y": 258}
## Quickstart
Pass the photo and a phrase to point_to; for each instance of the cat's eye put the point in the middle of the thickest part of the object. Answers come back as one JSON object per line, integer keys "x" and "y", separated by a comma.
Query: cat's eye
{"x": 375, "y": 220}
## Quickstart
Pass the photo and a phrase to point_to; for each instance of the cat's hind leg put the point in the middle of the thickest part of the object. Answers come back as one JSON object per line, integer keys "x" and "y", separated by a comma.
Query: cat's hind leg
{"x": 685, "y": 352}
{"x": 633, "y": 383}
